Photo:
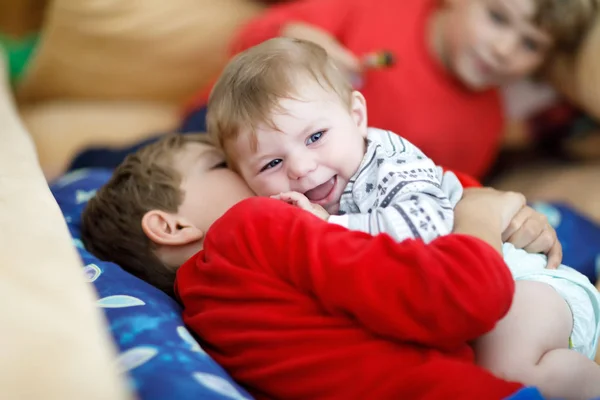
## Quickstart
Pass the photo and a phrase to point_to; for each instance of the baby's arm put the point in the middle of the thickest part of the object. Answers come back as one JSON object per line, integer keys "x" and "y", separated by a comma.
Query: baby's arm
{"x": 439, "y": 295}
{"x": 405, "y": 209}
{"x": 412, "y": 198}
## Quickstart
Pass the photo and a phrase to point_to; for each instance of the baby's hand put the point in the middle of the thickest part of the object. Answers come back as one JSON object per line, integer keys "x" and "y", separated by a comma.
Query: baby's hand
{"x": 301, "y": 201}
{"x": 530, "y": 230}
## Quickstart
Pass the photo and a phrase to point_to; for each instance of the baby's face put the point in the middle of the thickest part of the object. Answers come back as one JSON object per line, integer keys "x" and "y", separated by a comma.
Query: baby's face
{"x": 317, "y": 148}
{"x": 487, "y": 43}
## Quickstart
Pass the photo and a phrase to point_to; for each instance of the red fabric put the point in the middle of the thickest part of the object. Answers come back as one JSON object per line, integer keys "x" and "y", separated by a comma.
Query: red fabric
{"x": 416, "y": 98}
{"x": 296, "y": 308}
{"x": 466, "y": 180}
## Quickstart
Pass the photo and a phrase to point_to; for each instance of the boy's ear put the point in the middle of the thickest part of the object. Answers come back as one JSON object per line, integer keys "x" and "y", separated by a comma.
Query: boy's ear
{"x": 359, "y": 112}
{"x": 168, "y": 229}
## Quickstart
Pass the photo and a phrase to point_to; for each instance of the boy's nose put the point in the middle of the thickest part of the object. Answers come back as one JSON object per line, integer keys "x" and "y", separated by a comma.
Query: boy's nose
{"x": 504, "y": 45}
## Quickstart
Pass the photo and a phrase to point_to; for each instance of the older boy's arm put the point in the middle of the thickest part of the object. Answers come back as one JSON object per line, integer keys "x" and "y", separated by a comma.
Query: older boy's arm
{"x": 330, "y": 16}
{"x": 51, "y": 328}
{"x": 438, "y": 295}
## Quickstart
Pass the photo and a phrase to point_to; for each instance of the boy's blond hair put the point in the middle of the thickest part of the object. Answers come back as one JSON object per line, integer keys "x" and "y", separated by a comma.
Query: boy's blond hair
{"x": 249, "y": 89}
{"x": 112, "y": 219}
{"x": 566, "y": 21}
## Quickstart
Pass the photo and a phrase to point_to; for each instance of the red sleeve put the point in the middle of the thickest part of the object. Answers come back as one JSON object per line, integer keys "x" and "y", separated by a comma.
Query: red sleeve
{"x": 329, "y": 15}
{"x": 439, "y": 295}
{"x": 465, "y": 180}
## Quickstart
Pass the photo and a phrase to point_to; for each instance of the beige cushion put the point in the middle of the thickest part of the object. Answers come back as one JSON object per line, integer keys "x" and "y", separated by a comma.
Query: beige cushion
{"x": 132, "y": 49}
{"x": 55, "y": 341}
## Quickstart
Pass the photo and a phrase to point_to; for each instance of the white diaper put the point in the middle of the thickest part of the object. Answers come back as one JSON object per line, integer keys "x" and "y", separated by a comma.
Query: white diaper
{"x": 581, "y": 296}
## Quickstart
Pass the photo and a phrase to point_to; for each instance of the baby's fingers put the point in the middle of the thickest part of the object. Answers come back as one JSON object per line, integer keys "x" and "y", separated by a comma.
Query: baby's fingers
{"x": 294, "y": 198}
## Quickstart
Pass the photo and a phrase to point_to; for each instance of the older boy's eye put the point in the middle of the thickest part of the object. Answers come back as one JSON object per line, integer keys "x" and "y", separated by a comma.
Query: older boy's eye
{"x": 498, "y": 17}
{"x": 315, "y": 137}
{"x": 531, "y": 44}
{"x": 220, "y": 165}
{"x": 271, "y": 164}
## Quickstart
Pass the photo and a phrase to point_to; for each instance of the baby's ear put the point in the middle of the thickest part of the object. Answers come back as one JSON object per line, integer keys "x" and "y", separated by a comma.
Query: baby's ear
{"x": 168, "y": 229}
{"x": 359, "y": 112}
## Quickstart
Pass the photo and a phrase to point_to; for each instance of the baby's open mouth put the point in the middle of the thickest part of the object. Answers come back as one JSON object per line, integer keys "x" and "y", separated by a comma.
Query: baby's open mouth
{"x": 322, "y": 191}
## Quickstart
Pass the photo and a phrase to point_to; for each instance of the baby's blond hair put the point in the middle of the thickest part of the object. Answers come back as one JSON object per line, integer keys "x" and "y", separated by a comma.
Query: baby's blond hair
{"x": 253, "y": 83}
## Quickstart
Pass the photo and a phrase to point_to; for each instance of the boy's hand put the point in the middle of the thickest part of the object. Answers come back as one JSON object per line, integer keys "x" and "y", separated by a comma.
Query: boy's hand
{"x": 530, "y": 230}
{"x": 485, "y": 213}
{"x": 344, "y": 59}
{"x": 491, "y": 205}
{"x": 301, "y": 201}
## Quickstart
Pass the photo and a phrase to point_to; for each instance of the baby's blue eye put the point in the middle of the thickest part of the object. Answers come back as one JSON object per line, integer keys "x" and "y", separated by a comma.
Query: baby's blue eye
{"x": 271, "y": 164}
{"x": 315, "y": 137}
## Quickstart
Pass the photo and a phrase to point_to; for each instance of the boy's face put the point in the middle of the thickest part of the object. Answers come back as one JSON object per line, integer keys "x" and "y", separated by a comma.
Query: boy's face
{"x": 487, "y": 43}
{"x": 210, "y": 189}
{"x": 318, "y": 147}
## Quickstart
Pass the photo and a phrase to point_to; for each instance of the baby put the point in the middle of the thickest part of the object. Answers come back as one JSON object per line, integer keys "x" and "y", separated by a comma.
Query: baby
{"x": 293, "y": 128}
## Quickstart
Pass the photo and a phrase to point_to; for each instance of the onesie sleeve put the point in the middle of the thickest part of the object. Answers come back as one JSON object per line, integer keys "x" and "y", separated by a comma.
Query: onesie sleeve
{"x": 439, "y": 295}
{"x": 401, "y": 192}
{"x": 332, "y": 16}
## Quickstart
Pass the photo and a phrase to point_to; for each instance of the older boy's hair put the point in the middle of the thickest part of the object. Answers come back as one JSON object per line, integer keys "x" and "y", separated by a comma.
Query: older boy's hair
{"x": 250, "y": 87}
{"x": 567, "y": 21}
{"x": 112, "y": 219}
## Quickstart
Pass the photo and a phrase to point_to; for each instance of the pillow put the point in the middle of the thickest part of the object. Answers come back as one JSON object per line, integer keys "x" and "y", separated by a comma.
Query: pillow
{"x": 162, "y": 358}
{"x": 148, "y": 50}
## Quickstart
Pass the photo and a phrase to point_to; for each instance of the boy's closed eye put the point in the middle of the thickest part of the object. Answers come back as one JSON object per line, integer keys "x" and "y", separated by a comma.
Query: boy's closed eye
{"x": 220, "y": 165}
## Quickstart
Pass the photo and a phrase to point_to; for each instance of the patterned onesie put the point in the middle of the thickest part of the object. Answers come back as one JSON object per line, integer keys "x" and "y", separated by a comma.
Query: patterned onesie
{"x": 399, "y": 191}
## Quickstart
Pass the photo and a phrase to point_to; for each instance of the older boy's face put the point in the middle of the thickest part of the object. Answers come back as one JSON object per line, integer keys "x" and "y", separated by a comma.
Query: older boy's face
{"x": 210, "y": 188}
{"x": 318, "y": 147}
{"x": 491, "y": 42}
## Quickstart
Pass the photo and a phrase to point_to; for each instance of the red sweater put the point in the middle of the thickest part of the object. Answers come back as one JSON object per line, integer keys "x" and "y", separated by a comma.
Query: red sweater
{"x": 296, "y": 308}
{"x": 416, "y": 98}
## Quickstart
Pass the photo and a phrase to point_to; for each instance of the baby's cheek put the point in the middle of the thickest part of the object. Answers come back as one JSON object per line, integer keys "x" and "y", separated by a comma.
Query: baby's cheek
{"x": 266, "y": 187}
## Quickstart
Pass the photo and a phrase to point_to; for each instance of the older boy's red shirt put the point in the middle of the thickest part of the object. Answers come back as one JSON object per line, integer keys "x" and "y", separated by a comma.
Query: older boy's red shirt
{"x": 296, "y": 308}
{"x": 416, "y": 98}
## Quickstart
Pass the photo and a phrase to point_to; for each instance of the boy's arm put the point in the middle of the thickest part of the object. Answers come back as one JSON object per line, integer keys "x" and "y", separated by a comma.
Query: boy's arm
{"x": 329, "y": 16}
{"x": 439, "y": 295}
